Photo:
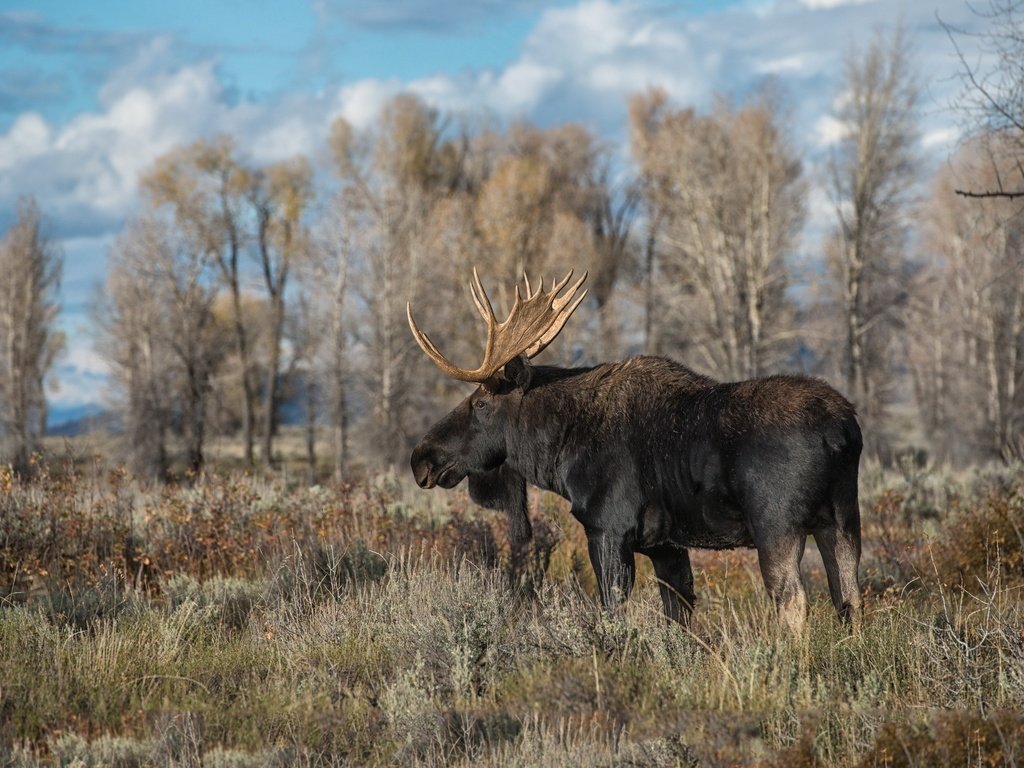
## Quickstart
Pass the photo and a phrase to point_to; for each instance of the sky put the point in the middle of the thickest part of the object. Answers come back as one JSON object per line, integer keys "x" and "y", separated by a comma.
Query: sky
{"x": 91, "y": 93}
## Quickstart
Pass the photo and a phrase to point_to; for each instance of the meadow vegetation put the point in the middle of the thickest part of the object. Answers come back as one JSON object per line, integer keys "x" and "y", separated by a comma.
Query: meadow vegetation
{"x": 245, "y": 621}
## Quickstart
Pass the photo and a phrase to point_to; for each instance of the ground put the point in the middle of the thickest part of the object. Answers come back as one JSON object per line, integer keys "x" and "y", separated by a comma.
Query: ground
{"x": 255, "y": 621}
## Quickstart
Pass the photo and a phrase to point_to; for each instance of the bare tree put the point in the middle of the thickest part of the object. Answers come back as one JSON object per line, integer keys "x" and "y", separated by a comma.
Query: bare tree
{"x": 991, "y": 100}
{"x": 871, "y": 172}
{"x": 390, "y": 180}
{"x": 31, "y": 265}
{"x": 280, "y": 196}
{"x": 967, "y": 334}
{"x": 647, "y": 113}
{"x": 305, "y": 333}
{"x": 194, "y": 336}
{"x": 205, "y": 184}
{"x": 540, "y": 189}
{"x": 326, "y": 288}
{"x": 130, "y": 323}
{"x": 610, "y": 211}
{"x": 548, "y": 202}
{"x": 725, "y": 199}
{"x": 162, "y": 339}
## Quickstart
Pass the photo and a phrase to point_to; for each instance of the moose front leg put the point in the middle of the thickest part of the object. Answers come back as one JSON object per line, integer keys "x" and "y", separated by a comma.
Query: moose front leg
{"x": 504, "y": 489}
{"x": 675, "y": 581}
{"x": 613, "y": 565}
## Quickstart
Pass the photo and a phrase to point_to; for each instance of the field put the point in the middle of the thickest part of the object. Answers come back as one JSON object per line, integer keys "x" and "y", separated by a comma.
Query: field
{"x": 249, "y": 621}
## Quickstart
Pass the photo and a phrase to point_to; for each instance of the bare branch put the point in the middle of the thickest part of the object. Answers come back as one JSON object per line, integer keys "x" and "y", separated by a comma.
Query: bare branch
{"x": 991, "y": 193}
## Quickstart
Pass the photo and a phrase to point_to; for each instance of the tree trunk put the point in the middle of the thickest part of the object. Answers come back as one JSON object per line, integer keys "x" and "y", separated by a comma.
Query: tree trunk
{"x": 338, "y": 406}
{"x": 230, "y": 274}
{"x": 649, "y": 252}
{"x": 248, "y": 391}
{"x": 196, "y": 421}
{"x": 310, "y": 430}
{"x": 272, "y": 384}
{"x": 854, "y": 341}
{"x": 387, "y": 358}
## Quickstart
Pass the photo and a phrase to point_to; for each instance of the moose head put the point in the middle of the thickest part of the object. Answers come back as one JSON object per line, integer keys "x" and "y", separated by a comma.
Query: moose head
{"x": 472, "y": 438}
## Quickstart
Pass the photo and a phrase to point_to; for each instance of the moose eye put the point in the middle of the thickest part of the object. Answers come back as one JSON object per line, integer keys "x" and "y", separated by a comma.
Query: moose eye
{"x": 480, "y": 404}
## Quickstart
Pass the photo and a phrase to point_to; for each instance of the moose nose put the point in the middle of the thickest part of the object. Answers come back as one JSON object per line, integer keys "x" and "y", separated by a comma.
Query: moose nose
{"x": 421, "y": 466}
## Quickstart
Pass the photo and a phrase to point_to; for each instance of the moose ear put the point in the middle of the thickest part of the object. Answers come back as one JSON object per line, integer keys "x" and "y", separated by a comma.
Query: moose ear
{"x": 519, "y": 372}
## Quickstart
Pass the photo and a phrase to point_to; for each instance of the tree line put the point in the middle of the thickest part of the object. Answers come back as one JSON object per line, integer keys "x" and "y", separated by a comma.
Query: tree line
{"x": 240, "y": 288}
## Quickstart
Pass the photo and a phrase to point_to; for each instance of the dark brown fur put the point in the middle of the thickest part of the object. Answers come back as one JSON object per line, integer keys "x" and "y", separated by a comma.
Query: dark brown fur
{"x": 656, "y": 458}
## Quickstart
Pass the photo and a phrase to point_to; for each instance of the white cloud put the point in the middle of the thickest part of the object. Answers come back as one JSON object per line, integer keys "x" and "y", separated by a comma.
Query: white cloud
{"x": 87, "y": 170}
{"x": 85, "y": 173}
{"x": 828, "y": 130}
{"x": 940, "y": 137}
{"x": 596, "y": 28}
{"x": 86, "y": 360}
{"x": 824, "y": 4}
{"x": 82, "y": 376}
{"x": 360, "y": 102}
{"x": 28, "y": 137}
{"x": 784, "y": 65}
{"x": 523, "y": 85}
{"x": 579, "y": 63}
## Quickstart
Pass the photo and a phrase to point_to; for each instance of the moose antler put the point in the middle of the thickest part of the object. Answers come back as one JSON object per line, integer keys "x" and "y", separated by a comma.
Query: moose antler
{"x": 531, "y": 325}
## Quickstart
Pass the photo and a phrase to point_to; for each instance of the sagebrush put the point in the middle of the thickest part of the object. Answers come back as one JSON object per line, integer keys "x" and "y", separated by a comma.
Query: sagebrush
{"x": 243, "y": 622}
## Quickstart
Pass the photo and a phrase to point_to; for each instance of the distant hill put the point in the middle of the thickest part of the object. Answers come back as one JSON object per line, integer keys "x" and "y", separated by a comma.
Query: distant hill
{"x": 75, "y": 420}
{"x": 72, "y": 421}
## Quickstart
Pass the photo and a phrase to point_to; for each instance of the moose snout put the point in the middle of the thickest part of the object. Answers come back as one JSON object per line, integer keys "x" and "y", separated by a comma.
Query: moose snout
{"x": 423, "y": 463}
{"x": 433, "y": 466}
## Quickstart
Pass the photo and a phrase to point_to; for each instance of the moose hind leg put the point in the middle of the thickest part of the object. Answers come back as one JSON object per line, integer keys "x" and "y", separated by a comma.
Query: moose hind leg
{"x": 839, "y": 544}
{"x": 675, "y": 582}
{"x": 840, "y": 552}
{"x": 779, "y": 559}
{"x": 613, "y": 565}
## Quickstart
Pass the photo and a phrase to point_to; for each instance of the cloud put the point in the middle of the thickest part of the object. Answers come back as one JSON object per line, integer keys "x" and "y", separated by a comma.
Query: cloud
{"x": 578, "y": 63}
{"x": 420, "y": 15}
{"x": 82, "y": 375}
{"x": 940, "y": 137}
{"x": 54, "y": 69}
{"x": 829, "y": 130}
{"x": 28, "y": 137}
{"x": 820, "y": 4}
{"x": 582, "y": 62}
{"x": 24, "y": 88}
{"x": 85, "y": 360}
{"x": 784, "y": 65}
{"x": 72, "y": 387}
{"x": 30, "y": 30}
{"x": 85, "y": 172}
{"x": 360, "y": 102}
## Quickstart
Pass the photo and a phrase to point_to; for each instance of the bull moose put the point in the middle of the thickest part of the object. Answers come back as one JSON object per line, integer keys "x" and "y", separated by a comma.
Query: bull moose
{"x": 654, "y": 458}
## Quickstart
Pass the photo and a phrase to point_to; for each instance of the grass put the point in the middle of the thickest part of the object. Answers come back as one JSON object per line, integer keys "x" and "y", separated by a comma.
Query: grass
{"x": 245, "y": 622}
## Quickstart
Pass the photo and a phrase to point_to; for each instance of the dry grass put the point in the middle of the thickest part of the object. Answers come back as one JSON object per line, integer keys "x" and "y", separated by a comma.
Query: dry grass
{"x": 245, "y": 622}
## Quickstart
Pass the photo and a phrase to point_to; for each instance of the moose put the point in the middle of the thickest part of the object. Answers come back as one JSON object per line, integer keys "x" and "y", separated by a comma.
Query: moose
{"x": 654, "y": 458}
